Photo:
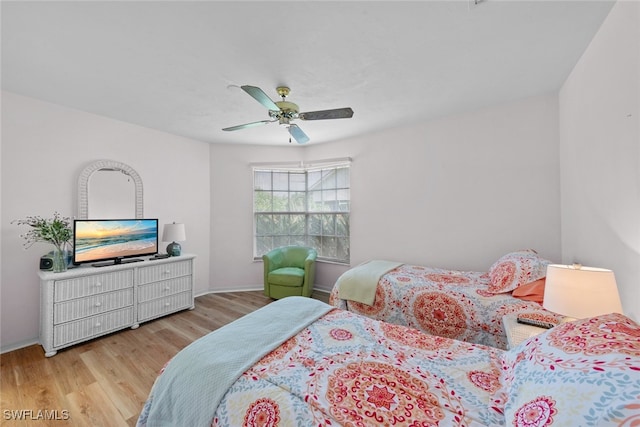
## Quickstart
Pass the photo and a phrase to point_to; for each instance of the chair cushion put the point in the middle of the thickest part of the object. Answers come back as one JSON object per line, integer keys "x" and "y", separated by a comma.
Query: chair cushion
{"x": 286, "y": 276}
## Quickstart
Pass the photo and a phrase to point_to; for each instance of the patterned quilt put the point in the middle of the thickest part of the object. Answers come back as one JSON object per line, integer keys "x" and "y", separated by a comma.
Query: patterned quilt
{"x": 447, "y": 303}
{"x": 348, "y": 370}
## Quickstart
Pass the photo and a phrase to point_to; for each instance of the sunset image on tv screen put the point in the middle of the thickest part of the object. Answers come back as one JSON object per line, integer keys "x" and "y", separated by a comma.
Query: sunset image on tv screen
{"x": 96, "y": 240}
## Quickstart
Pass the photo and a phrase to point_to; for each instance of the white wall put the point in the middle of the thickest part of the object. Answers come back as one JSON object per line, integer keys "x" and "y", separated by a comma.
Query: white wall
{"x": 232, "y": 265}
{"x": 44, "y": 149}
{"x": 456, "y": 193}
{"x": 600, "y": 154}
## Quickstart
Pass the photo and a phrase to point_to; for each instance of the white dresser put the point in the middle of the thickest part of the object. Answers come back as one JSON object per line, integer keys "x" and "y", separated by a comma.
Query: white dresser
{"x": 87, "y": 302}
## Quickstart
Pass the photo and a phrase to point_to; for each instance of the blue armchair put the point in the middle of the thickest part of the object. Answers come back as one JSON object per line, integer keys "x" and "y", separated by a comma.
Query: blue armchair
{"x": 289, "y": 271}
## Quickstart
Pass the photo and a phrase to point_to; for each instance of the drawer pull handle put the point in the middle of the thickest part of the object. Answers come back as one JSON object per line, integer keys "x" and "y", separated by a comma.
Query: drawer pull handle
{"x": 167, "y": 288}
{"x": 167, "y": 272}
{"x": 98, "y": 324}
{"x": 98, "y": 304}
{"x": 98, "y": 284}
{"x": 166, "y": 304}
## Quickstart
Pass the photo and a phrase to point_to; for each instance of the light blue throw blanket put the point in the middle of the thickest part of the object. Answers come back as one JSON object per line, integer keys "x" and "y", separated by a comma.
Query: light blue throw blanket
{"x": 360, "y": 283}
{"x": 189, "y": 390}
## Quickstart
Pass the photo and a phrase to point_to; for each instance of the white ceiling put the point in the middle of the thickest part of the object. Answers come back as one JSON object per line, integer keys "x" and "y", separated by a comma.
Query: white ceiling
{"x": 176, "y": 66}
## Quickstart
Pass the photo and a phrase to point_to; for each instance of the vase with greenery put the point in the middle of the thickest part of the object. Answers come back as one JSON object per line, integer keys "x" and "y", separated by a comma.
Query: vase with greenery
{"x": 56, "y": 230}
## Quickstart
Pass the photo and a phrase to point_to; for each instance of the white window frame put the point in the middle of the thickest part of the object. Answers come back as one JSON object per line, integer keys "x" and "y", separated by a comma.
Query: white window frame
{"x": 325, "y": 229}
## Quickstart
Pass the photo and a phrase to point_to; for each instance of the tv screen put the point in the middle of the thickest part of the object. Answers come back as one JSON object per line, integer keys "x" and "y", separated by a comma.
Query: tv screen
{"x": 113, "y": 239}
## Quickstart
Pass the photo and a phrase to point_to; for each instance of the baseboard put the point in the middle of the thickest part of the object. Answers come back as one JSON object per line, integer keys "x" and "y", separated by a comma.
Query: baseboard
{"x": 18, "y": 346}
{"x": 321, "y": 295}
{"x": 220, "y": 291}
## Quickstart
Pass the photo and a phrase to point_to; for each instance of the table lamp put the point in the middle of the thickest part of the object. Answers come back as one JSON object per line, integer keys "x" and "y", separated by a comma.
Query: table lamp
{"x": 578, "y": 292}
{"x": 174, "y": 233}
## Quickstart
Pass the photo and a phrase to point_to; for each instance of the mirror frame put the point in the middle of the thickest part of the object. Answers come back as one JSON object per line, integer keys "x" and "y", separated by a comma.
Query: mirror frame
{"x": 83, "y": 185}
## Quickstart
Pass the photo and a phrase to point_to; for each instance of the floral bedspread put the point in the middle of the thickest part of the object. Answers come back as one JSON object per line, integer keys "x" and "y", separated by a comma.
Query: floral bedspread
{"x": 447, "y": 303}
{"x": 349, "y": 370}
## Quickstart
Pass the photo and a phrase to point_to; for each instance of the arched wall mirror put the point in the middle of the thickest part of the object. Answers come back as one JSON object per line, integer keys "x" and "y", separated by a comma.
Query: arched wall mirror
{"x": 108, "y": 189}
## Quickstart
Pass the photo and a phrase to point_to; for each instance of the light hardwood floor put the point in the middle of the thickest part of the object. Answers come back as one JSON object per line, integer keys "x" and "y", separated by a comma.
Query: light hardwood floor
{"x": 105, "y": 382}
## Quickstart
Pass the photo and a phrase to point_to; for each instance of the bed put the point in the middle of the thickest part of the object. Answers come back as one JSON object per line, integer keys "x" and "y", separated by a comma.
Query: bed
{"x": 465, "y": 305}
{"x": 301, "y": 362}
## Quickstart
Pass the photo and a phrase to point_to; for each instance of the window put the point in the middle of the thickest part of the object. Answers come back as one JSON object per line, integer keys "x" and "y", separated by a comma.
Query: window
{"x": 302, "y": 206}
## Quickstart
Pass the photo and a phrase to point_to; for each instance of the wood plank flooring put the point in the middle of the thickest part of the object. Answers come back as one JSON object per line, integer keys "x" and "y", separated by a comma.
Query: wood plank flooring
{"x": 105, "y": 382}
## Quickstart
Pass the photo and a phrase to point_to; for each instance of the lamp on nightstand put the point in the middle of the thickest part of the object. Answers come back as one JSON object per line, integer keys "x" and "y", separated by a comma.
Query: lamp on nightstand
{"x": 174, "y": 233}
{"x": 579, "y": 292}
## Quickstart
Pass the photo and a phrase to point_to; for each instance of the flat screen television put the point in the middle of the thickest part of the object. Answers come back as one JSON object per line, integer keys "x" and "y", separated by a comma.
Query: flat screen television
{"x": 113, "y": 241}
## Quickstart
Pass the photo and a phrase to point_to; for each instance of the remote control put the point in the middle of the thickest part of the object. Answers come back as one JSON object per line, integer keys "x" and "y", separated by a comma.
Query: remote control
{"x": 537, "y": 323}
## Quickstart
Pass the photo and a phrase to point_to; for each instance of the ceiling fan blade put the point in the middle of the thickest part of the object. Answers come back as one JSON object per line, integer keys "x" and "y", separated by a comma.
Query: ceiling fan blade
{"x": 259, "y": 95}
{"x": 249, "y": 125}
{"x": 298, "y": 134}
{"x": 338, "y": 113}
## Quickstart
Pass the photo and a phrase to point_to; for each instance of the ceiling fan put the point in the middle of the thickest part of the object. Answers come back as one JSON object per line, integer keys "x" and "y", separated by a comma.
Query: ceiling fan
{"x": 284, "y": 112}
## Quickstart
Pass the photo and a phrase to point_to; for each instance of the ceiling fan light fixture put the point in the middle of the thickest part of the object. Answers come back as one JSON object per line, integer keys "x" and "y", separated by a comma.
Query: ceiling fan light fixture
{"x": 287, "y": 107}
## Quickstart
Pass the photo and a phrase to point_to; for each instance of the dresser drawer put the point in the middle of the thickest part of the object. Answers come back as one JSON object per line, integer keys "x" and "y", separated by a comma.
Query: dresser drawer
{"x": 164, "y": 271}
{"x": 162, "y": 289}
{"x": 91, "y": 327}
{"x": 89, "y": 306}
{"x": 161, "y": 306}
{"x": 78, "y": 287}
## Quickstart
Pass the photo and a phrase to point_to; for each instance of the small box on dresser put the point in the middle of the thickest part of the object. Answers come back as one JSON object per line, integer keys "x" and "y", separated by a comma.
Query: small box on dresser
{"x": 87, "y": 302}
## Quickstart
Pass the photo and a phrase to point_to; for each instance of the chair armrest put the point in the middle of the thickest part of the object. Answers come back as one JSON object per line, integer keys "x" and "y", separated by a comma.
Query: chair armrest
{"x": 270, "y": 262}
{"x": 310, "y": 260}
{"x": 309, "y": 272}
{"x": 273, "y": 260}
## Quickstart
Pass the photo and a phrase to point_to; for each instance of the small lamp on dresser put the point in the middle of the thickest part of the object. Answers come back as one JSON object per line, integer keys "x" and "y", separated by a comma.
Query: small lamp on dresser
{"x": 578, "y": 292}
{"x": 174, "y": 233}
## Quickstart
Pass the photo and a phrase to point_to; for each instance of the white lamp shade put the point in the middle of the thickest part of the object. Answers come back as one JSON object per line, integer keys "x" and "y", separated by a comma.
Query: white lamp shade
{"x": 580, "y": 292}
{"x": 174, "y": 233}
